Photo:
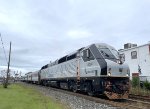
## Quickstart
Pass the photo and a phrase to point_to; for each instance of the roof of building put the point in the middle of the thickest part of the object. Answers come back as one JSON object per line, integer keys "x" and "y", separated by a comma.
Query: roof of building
{"x": 121, "y": 50}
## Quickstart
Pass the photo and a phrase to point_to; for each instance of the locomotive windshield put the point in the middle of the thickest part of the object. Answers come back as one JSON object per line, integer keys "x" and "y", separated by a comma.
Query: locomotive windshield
{"x": 116, "y": 53}
{"x": 107, "y": 54}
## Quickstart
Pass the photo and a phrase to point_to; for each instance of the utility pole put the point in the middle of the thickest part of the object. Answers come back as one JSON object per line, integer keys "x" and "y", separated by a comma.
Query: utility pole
{"x": 6, "y": 81}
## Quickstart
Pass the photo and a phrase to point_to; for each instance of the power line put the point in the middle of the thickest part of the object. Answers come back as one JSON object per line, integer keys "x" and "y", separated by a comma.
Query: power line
{"x": 3, "y": 48}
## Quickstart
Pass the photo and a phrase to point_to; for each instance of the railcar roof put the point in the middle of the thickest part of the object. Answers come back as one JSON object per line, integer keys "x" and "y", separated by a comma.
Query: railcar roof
{"x": 28, "y": 73}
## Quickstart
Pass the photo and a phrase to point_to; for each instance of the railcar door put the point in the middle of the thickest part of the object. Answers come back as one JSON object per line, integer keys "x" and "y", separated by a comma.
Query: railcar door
{"x": 89, "y": 63}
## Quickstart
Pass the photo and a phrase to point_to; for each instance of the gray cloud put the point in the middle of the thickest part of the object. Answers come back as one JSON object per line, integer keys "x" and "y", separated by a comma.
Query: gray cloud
{"x": 46, "y": 30}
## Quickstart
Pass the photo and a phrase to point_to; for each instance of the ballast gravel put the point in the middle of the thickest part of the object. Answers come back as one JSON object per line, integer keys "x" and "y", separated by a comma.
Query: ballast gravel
{"x": 70, "y": 101}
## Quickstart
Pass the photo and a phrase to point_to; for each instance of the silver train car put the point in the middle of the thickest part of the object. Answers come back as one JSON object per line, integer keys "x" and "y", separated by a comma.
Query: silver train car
{"x": 95, "y": 69}
{"x": 31, "y": 77}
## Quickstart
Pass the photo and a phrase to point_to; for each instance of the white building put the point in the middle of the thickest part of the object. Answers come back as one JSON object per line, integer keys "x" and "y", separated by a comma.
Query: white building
{"x": 138, "y": 59}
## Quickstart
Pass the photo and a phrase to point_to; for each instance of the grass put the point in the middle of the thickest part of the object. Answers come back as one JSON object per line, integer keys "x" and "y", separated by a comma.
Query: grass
{"x": 139, "y": 91}
{"x": 17, "y": 96}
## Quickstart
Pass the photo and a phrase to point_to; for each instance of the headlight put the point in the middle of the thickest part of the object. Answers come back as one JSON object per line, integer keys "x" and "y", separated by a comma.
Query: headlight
{"x": 127, "y": 74}
{"x": 109, "y": 74}
{"x": 118, "y": 61}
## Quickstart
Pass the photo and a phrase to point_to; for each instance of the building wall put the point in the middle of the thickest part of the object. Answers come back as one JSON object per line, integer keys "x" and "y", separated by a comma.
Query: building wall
{"x": 141, "y": 62}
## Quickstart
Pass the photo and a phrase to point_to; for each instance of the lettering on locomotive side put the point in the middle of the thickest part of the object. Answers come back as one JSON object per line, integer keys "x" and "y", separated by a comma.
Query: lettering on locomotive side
{"x": 92, "y": 71}
{"x": 89, "y": 64}
{"x": 50, "y": 75}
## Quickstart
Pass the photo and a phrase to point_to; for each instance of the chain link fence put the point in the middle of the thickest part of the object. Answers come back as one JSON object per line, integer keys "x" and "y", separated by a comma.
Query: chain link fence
{"x": 140, "y": 85}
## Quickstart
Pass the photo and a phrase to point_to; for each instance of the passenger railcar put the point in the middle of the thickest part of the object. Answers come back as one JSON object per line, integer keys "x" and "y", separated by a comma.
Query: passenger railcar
{"x": 29, "y": 77}
{"x": 35, "y": 77}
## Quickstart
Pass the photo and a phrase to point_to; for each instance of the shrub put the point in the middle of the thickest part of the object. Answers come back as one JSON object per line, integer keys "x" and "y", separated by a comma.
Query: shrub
{"x": 147, "y": 85}
{"x": 135, "y": 82}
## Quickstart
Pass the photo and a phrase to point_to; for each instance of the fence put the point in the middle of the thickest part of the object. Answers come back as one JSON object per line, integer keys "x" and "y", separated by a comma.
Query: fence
{"x": 140, "y": 85}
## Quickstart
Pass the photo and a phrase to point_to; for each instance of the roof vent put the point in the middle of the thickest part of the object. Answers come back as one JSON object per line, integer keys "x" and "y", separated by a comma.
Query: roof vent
{"x": 129, "y": 45}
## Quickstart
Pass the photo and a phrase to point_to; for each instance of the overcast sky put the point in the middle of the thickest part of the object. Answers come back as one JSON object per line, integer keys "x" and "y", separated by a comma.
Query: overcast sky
{"x": 44, "y": 30}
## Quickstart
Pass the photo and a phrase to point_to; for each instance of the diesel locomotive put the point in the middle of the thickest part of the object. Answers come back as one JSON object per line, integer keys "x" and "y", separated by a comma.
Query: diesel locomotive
{"x": 95, "y": 69}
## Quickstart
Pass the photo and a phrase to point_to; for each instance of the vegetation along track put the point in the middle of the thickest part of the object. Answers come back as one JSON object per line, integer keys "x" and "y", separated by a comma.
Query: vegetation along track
{"x": 125, "y": 104}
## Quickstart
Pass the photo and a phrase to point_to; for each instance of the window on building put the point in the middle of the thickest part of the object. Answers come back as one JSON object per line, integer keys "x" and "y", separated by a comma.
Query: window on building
{"x": 134, "y": 55}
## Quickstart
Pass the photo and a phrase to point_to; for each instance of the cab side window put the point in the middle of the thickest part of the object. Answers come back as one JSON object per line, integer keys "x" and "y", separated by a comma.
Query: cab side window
{"x": 87, "y": 55}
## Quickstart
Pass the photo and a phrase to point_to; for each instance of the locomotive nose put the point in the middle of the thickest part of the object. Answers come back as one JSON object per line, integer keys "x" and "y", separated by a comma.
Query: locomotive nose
{"x": 115, "y": 69}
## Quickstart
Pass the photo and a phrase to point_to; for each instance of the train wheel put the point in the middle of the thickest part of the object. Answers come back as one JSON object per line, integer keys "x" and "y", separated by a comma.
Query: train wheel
{"x": 90, "y": 90}
{"x": 74, "y": 89}
{"x": 70, "y": 85}
{"x": 45, "y": 83}
{"x": 90, "y": 93}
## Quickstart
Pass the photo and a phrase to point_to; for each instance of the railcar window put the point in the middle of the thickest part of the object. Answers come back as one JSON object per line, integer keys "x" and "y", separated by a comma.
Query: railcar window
{"x": 90, "y": 55}
{"x": 44, "y": 67}
{"x": 63, "y": 59}
{"x": 71, "y": 57}
{"x": 134, "y": 55}
{"x": 115, "y": 52}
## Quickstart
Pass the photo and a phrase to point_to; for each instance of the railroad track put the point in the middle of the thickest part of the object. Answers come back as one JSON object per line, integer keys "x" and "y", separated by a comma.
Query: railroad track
{"x": 124, "y": 104}
{"x": 127, "y": 104}
{"x": 139, "y": 97}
